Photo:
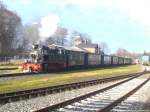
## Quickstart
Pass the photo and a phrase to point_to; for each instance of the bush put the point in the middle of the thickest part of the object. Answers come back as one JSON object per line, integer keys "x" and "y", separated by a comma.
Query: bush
{"x": 146, "y": 63}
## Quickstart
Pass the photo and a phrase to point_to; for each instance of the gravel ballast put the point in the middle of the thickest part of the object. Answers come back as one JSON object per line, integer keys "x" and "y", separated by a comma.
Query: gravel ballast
{"x": 44, "y": 101}
{"x": 138, "y": 102}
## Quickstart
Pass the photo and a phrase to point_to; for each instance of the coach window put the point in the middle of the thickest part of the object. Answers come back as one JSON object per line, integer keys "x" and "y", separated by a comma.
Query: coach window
{"x": 63, "y": 51}
{"x": 60, "y": 51}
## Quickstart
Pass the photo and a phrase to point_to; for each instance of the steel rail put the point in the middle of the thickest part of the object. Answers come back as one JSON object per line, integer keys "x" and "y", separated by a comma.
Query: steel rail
{"x": 68, "y": 102}
{"x": 121, "y": 99}
{"x": 8, "y": 68}
{"x": 19, "y": 74}
{"x": 27, "y": 94}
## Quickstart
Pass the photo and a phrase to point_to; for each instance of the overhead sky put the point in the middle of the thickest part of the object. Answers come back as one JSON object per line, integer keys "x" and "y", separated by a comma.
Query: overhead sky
{"x": 119, "y": 23}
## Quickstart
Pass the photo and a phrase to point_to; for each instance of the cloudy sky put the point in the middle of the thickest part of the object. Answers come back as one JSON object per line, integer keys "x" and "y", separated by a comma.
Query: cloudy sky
{"x": 120, "y": 23}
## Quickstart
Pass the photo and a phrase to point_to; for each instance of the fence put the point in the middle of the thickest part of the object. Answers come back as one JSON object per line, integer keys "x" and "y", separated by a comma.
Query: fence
{"x": 11, "y": 60}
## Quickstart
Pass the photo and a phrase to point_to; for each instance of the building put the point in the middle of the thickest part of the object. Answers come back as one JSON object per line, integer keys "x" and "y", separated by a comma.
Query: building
{"x": 78, "y": 40}
{"x": 85, "y": 45}
{"x": 90, "y": 47}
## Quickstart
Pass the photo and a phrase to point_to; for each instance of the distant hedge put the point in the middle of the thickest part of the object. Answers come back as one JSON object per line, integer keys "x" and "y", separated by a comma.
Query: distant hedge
{"x": 146, "y": 63}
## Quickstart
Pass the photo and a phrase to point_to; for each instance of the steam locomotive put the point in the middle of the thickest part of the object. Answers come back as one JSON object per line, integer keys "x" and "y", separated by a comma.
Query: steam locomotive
{"x": 45, "y": 58}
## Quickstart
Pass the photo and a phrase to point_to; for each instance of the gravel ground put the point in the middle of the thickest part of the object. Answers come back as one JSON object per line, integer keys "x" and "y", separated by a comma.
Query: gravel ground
{"x": 40, "y": 102}
{"x": 138, "y": 102}
{"x": 101, "y": 100}
{"x": 44, "y": 101}
{"x": 147, "y": 100}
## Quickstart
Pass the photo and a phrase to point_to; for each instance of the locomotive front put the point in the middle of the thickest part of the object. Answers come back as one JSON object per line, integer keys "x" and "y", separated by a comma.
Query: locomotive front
{"x": 34, "y": 63}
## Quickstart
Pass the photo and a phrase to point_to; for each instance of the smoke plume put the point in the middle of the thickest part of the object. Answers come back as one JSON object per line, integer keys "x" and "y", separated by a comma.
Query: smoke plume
{"x": 48, "y": 26}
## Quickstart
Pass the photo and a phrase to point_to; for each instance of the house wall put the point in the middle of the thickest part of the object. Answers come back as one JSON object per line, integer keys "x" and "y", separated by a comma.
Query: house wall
{"x": 91, "y": 50}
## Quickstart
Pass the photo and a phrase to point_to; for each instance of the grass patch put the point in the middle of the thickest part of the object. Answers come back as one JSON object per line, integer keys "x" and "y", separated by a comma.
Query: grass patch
{"x": 8, "y": 66}
{"x": 14, "y": 71}
{"x": 146, "y": 63}
{"x": 65, "y": 77}
{"x": 3, "y": 72}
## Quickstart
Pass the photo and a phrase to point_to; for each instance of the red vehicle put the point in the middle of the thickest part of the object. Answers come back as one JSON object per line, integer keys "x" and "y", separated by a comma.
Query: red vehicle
{"x": 32, "y": 67}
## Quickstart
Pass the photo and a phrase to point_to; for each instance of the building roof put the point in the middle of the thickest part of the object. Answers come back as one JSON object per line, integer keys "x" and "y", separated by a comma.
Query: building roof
{"x": 73, "y": 48}
{"x": 79, "y": 38}
{"x": 76, "y": 49}
{"x": 54, "y": 46}
{"x": 88, "y": 45}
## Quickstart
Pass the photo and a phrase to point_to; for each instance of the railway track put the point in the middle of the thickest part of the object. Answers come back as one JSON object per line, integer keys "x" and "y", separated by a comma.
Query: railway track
{"x": 103, "y": 100}
{"x": 18, "y": 74}
{"x": 27, "y": 94}
{"x": 8, "y": 68}
{"x": 33, "y": 73}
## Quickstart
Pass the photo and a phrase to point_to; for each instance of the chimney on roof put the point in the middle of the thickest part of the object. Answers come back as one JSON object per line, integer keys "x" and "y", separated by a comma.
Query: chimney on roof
{"x": 78, "y": 40}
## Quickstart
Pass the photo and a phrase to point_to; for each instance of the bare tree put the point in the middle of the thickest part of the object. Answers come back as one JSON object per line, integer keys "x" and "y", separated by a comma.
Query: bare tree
{"x": 10, "y": 24}
{"x": 123, "y": 52}
{"x": 85, "y": 38}
{"x": 49, "y": 41}
{"x": 74, "y": 34}
{"x": 31, "y": 33}
{"x": 59, "y": 37}
{"x": 104, "y": 47}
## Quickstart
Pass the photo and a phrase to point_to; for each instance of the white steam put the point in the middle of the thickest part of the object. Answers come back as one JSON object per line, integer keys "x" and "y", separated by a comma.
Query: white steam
{"x": 48, "y": 26}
